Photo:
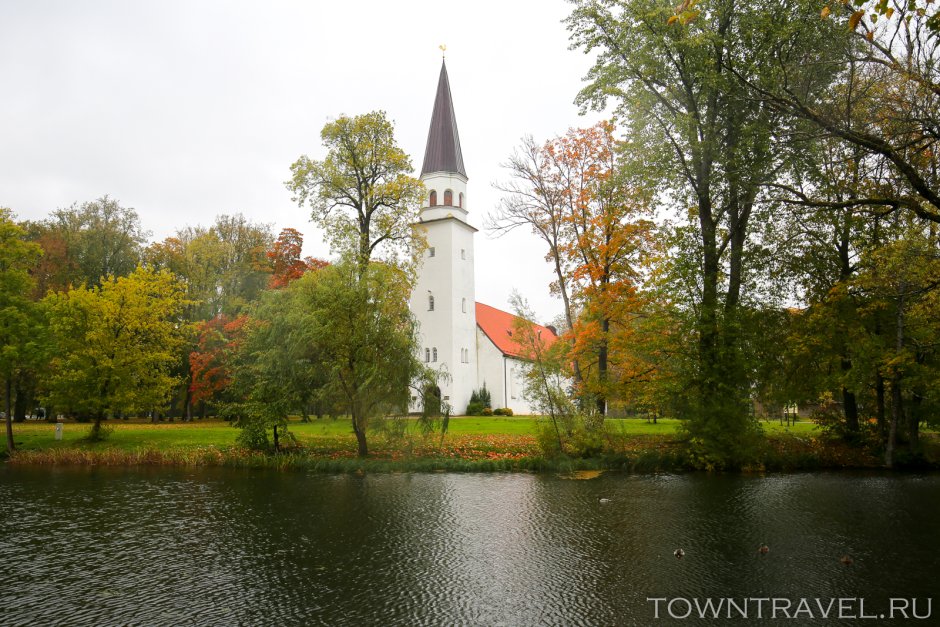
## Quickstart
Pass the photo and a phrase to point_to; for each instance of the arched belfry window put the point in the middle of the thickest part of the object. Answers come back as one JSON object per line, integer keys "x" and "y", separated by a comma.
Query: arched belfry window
{"x": 460, "y": 200}
{"x": 448, "y": 198}
{"x": 433, "y": 200}
{"x": 430, "y": 302}
{"x": 427, "y": 355}
{"x": 434, "y": 354}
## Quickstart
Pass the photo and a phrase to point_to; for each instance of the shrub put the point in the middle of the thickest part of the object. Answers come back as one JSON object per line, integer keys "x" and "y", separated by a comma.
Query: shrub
{"x": 502, "y": 411}
{"x": 474, "y": 408}
{"x": 485, "y": 397}
{"x": 479, "y": 400}
{"x": 547, "y": 439}
{"x": 487, "y": 411}
{"x": 586, "y": 443}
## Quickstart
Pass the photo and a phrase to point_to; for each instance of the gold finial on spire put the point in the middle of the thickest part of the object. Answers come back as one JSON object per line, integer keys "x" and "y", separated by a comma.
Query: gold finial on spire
{"x": 443, "y": 48}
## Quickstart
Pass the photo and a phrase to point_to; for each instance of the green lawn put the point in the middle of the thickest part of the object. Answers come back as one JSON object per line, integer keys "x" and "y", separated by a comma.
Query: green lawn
{"x": 132, "y": 435}
{"x": 472, "y": 444}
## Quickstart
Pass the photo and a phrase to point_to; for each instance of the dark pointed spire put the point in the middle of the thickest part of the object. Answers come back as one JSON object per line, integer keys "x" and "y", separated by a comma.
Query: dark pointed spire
{"x": 443, "y": 150}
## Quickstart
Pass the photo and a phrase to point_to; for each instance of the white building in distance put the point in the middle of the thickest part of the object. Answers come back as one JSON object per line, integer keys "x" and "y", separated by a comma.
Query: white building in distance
{"x": 468, "y": 341}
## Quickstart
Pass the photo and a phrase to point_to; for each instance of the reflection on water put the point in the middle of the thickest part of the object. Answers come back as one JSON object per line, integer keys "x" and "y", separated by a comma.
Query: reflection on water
{"x": 221, "y": 547}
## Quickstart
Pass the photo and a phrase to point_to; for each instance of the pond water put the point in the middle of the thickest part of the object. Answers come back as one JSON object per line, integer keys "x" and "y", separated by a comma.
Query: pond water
{"x": 224, "y": 547}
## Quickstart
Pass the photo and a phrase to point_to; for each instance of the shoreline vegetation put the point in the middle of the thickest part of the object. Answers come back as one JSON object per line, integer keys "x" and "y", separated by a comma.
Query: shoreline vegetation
{"x": 471, "y": 444}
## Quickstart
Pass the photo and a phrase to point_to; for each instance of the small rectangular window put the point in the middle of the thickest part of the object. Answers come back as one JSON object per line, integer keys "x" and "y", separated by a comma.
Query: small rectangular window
{"x": 431, "y": 251}
{"x": 463, "y": 253}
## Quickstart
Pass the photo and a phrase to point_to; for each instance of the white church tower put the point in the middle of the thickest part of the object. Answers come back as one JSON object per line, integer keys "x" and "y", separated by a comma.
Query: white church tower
{"x": 443, "y": 300}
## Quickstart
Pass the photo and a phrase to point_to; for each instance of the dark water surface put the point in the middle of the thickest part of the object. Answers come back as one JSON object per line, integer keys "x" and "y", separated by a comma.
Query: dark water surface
{"x": 225, "y": 547}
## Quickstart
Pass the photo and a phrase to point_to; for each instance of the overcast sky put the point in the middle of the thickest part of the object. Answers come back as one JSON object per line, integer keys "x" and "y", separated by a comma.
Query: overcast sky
{"x": 184, "y": 110}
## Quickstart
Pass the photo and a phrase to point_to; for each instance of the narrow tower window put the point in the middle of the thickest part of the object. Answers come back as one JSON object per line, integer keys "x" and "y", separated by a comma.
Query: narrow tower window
{"x": 448, "y": 198}
{"x": 431, "y": 251}
{"x": 463, "y": 253}
{"x": 463, "y": 305}
{"x": 427, "y": 355}
{"x": 433, "y": 200}
{"x": 434, "y": 354}
{"x": 431, "y": 306}
{"x": 460, "y": 200}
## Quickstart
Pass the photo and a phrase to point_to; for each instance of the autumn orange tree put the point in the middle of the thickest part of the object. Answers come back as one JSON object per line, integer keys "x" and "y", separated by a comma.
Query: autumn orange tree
{"x": 573, "y": 193}
{"x": 286, "y": 262}
{"x": 210, "y": 371}
{"x": 607, "y": 239}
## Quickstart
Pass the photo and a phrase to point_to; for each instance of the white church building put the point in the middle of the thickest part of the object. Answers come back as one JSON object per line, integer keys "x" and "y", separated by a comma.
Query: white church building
{"x": 471, "y": 343}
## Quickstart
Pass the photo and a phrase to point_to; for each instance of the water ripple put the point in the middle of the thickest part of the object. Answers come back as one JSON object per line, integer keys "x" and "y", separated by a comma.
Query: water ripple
{"x": 220, "y": 547}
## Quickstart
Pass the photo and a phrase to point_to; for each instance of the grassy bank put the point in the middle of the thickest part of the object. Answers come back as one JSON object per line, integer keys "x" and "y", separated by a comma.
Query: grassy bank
{"x": 471, "y": 444}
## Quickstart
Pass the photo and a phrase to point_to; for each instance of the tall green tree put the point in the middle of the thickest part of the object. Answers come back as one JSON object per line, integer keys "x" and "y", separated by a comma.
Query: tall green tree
{"x": 889, "y": 103}
{"x": 225, "y": 266}
{"x": 276, "y": 368}
{"x": 710, "y": 145}
{"x": 359, "y": 328}
{"x": 362, "y": 194}
{"x": 900, "y": 281}
{"x": 116, "y": 345}
{"x": 18, "y": 315}
{"x": 101, "y": 239}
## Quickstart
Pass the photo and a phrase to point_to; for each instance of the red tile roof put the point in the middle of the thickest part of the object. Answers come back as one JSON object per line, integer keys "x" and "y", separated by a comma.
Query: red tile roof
{"x": 498, "y": 326}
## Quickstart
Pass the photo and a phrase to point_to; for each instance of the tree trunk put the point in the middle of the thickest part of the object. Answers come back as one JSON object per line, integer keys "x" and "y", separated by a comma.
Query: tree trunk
{"x": 913, "y": 422}
{"x": 850, "y": 409}
{"x": 360, "y": 432}
{"x": 880, "y": 404}
{"x": 95, "y": 434}
{"x": 708, "y": 314}
{"x": 277, "y": 444}
{"x": 187, "y": 403}
{"x": 896, "y": 397}
{"x": 896, "y": 409}
{"x": 916, "y": 410}
{"x": 21, "y": 404}
{"x": 10, "y": 445}
{"x": 849, "y": 402}
{"x": 602, "y": 369}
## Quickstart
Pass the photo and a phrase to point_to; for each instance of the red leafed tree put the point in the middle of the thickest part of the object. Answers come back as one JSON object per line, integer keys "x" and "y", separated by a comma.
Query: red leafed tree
{"x": 286, "y": 262}
{"x": 219, "y": 338}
